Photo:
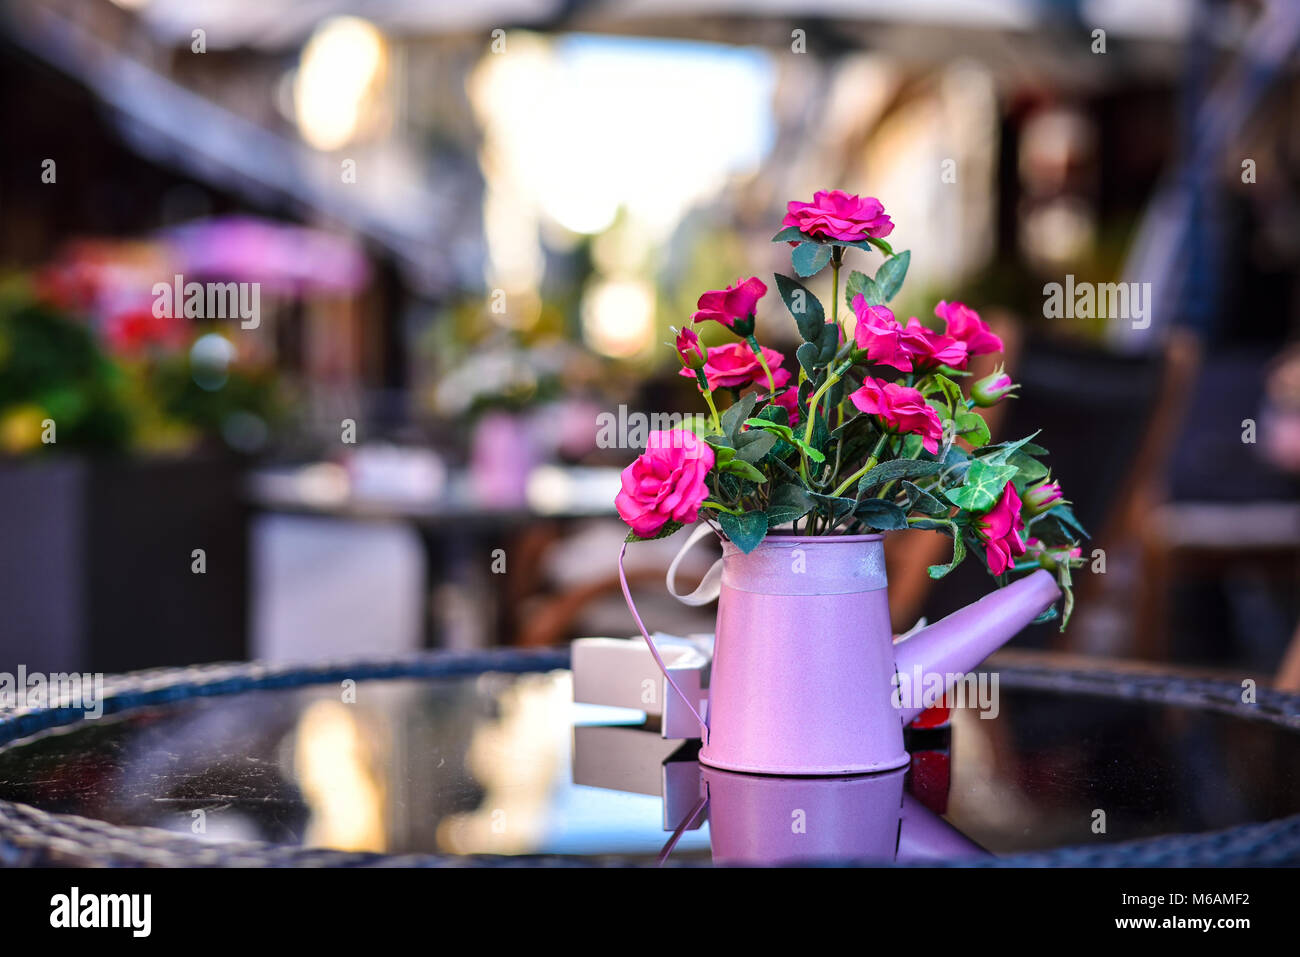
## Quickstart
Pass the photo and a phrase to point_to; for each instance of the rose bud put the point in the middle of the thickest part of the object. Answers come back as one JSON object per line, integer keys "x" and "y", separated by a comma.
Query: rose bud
{"x": 1043, "y": 496}
{"x": 1052, "y": 558}
{"x": 991, "y": 389}
{"x": 690, "y": 350}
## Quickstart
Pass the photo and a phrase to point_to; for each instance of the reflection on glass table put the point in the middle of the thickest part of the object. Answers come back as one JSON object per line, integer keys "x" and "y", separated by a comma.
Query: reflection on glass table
{"x": 507, "y": 764}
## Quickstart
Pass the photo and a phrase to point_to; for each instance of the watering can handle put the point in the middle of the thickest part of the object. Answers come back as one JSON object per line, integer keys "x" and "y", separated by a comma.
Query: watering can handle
{"x": 710, "y": 585}
{"x": 627, "y": 596}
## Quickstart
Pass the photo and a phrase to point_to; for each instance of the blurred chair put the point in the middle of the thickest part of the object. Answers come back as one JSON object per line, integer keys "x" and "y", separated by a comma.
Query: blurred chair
{"x": 582, "y": 592}
{"x": 1179, "y": 537}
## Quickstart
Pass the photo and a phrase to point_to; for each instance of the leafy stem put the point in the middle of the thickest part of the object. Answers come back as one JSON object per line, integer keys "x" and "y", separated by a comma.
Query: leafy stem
{"x": 870, "y": 464}
{"x": 758, "y": 351}
{"x": 703, "y": 381}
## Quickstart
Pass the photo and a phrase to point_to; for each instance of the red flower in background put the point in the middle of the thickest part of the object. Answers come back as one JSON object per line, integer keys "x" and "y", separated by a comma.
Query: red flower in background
{"x": 68, "y": 287}
{"x": 133, "y": 331}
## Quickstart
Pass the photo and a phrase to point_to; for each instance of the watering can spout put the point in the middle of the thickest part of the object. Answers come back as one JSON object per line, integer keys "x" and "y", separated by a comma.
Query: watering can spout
{"x": 957, "y": 644}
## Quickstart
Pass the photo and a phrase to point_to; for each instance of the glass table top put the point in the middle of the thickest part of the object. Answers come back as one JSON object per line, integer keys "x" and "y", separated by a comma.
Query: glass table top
{"x": 508, "y": 764}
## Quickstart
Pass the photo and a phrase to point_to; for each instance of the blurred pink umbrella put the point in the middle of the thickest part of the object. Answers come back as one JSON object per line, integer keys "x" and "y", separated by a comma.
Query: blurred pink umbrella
{"x": 288, "y": 260}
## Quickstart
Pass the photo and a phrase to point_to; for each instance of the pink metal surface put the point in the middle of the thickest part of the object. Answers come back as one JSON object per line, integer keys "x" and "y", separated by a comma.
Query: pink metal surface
{"x": 804, "y": 662}
{"x": 761, "y": 820}
{"x": 764, "y": 820}
{"x": 958, "y": 643}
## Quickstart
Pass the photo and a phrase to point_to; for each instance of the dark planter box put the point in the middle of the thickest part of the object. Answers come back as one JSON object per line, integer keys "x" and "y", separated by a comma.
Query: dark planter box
{"x": 95, "y": 566}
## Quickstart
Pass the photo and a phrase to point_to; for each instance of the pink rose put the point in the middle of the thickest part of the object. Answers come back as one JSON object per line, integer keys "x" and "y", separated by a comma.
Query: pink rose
{"x": 931, "y": 350}
{"x": 901, "y": 409}
{"x": 666, "y": 482}
{"x": 835, "y": 214}
{"x": 879, "y": 335}
{"x": 735, "y": 366}
{"x": 690, "y": 350}
{"x": 735, "y": 304}
{"x": 907, "y": 349}
{"x": 1000, "y": 528}
{"x": 964, "y": 323}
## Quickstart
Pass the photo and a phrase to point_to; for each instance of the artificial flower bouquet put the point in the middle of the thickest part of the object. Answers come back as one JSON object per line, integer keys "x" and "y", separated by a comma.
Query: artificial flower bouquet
{"x": 876, "y": 430}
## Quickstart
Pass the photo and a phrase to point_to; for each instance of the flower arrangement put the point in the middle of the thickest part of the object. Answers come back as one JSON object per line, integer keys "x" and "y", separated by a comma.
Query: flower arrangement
{"x": 873, "y": 431}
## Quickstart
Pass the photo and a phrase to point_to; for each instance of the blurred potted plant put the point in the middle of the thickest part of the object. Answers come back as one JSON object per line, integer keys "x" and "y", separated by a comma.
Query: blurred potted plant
{"x": 125, "y": 539}
{"x": 500, "y": 383}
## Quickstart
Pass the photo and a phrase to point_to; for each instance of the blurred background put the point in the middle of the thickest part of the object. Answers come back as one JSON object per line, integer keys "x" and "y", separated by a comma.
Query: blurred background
{"x": 452, "y": 238}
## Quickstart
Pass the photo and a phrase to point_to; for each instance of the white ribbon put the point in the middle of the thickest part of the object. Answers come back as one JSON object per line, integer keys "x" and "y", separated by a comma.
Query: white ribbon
{"x": 710, "y": 585}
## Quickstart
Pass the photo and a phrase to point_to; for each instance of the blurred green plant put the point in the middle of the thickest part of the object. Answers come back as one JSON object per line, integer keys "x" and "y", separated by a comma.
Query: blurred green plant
{"x": 61, "y": 389}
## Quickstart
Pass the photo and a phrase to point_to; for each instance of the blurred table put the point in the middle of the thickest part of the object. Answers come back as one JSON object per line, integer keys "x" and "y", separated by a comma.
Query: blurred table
{"x": 484, "y": 758}
{"x": 458, "y": 528}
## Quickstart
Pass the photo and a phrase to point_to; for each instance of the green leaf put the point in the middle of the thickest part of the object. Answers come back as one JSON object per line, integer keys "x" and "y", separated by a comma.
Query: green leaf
{"x": 912, "y": 447}
{"x": 868, "y": 244}
{"x": 1065, "y": 515}
{"x": 789, "y": 435}
{"x": 787, "y": 504}
{"x": 918, "y": 499}
{"x": 836, "y": 507}
{"x": 931, "y": 524}
{"x": 972, "y": 427}
{"x": 1001, "y": 453}
{"x": 745, "y": 531}
{"x": 958, "y": 554}
{"x": 791, "y": 234}
{"x": 889, "y": 277}
{"x": 896, "y": 469}
{"x": 808, "y": 355}
{"x": 744, "y": 470}
{"x": 806, "y": 308}
{"x": 778, "y": 415}
{"x": 755, "y": 444}
{"x": 951, "y": 391}
{"x": 723, "y": 450}
{"x": 828, "y": 342}
{"x": 862, "y": 284}
{"x": 667, "y": 529}
{"x": 810, "y": 258}
{"x": 984, "y": 485}
{"x": 1029, "y": 469}
{"x": 1051, "y": 614}
{"x": 738, "y": 412}
{"x": 879, "y": 514}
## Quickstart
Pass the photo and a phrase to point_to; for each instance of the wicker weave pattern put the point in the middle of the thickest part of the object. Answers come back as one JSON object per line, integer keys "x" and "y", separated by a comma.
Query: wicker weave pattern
{"x": 31, "y": 837}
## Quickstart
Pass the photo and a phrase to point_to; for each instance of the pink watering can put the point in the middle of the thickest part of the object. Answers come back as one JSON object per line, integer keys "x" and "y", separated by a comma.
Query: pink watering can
{"x": 805, "y": 677}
